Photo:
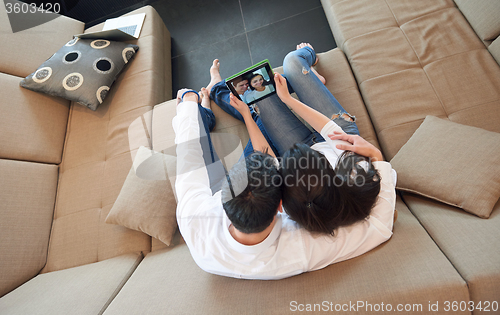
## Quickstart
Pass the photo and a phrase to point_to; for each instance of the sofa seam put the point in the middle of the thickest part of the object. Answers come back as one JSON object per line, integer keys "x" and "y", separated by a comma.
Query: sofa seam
{"x": 418, "y": 17}
{"x": 402, "y": 124}
{"x": 457, "y": 54}
{"x": 59, "y": 180}
{"x": 136, "y": 73}
{"x": 354, "y": 88}
{"x": 364, "y": 34}
{"x": 101, "y": 182}
{"x": 130, "y": 110}
{"x": 387, "y": 74}
{"x": 473, "y": 107}
{"x": 79, "y": 211}
{"x": 122, "y": 283}
{"x": 51, "y": 223}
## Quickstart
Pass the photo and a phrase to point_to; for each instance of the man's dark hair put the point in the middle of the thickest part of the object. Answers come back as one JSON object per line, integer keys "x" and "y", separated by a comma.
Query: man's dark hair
{"x": 322, "y": 199}
{"x": 251, "y": 193}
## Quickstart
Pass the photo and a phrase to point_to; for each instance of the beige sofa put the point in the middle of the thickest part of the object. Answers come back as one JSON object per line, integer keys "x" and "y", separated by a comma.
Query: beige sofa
{"x": 62, "y": 167}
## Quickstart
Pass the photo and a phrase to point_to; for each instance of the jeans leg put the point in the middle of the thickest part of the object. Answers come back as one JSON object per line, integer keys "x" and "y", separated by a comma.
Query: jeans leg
{"x": 310, "y": 90}
{"x": 220, "y": 94}
{"x": 282, "y": 125}
{"x": 215, "y": 168}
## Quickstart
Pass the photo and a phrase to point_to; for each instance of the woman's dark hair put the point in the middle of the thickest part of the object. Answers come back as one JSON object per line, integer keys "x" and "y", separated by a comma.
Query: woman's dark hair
{"x": 251, "y": 193}
{"x": 322, "y": 199}
{"x": 253, "y": 76}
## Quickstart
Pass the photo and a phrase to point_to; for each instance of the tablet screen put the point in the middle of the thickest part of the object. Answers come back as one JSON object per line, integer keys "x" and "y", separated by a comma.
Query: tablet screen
{"x": 253, "y": 84}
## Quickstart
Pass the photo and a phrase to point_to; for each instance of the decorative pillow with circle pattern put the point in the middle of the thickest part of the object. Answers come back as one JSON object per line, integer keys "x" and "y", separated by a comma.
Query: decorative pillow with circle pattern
{"x": 83, "y": 70}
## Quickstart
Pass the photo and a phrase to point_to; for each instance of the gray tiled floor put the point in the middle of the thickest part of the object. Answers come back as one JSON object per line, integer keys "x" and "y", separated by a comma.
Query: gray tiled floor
{"x": 237, "y": 32}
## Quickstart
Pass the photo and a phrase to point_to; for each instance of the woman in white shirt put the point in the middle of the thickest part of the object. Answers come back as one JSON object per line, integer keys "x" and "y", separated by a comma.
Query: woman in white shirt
{"x": 330, "y": 175}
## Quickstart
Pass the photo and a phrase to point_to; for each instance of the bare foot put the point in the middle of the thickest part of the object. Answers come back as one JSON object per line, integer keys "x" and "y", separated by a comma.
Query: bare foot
{"x": 214, "y": 75}
{"x": 320, "y": 77}
{"x": 205, "y": 98}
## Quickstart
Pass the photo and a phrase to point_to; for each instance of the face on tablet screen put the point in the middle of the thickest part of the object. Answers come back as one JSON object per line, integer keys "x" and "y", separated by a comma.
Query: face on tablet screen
{"x": 253, "y": 85}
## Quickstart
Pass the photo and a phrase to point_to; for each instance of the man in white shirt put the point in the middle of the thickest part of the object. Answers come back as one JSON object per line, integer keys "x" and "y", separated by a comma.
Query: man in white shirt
{"x": 260, "y": 241}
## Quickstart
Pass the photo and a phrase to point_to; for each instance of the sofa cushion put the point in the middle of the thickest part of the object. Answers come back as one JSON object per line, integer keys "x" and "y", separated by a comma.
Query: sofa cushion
{"x": 27, "y": 195}
{"x": 83, "y": 70}
{"x": 399, "y": 100}
{"x": 82, "y": 290}
{"x": 22, "y": 52}
{"x": 482, "y": 16}
{"x": 441, "y": 153}
{"x": 440, "y": 34}
{"x": 33, "y": 124}
{"x": 470, "y": 243}
{"x": 369, "y": 59}
{"x": 372, "y": 14}
{"x": 146, "y": 202}
{"x": 94, "y": 168}
{"x": 409, "y": 268}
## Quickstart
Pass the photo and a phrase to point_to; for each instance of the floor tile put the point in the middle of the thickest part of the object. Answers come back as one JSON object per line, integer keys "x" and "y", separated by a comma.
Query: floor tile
{"x": 198, "y": 23}
{"x": 274, "y": 41}
{"x": 95, "y": 12}
{"x": 191, "y": 70}
{"x": 259, "y": 13}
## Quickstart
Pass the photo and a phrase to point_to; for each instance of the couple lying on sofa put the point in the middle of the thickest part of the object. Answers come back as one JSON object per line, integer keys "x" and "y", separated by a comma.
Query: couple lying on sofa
{"x": 331, "y": 198}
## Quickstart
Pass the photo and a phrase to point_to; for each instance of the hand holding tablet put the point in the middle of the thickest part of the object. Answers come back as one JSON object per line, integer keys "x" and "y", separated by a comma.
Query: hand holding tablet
{"x": 253, "y": 84}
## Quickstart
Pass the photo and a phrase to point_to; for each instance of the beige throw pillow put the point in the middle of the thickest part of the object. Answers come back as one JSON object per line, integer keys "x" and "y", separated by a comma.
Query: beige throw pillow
{"x": 452, "y": 163}
{"x": 147, "y": 203}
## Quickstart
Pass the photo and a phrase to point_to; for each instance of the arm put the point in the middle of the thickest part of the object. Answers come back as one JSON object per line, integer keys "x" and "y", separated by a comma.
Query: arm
{"x": 259, "y": 142}
{"x": 316, "y": 119}
{"x": 357, "y": 145}
{"x": 192, "y": 185}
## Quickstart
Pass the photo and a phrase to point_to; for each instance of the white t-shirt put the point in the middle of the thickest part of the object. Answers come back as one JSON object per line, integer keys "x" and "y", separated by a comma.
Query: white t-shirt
{"x": 289, "y": 249}
{"x": 254, "y": 94}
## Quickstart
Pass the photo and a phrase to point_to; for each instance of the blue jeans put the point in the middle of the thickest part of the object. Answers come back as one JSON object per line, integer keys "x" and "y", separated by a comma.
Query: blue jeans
{"x": 281, "y": 124}
{"x": 208, "y": 119}
{"x": 215, "y": 169}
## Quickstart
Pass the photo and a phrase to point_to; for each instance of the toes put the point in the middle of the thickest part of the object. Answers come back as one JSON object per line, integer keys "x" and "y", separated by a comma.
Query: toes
{"x": 204, "y": 92}
{"x": 216, "y": 63}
